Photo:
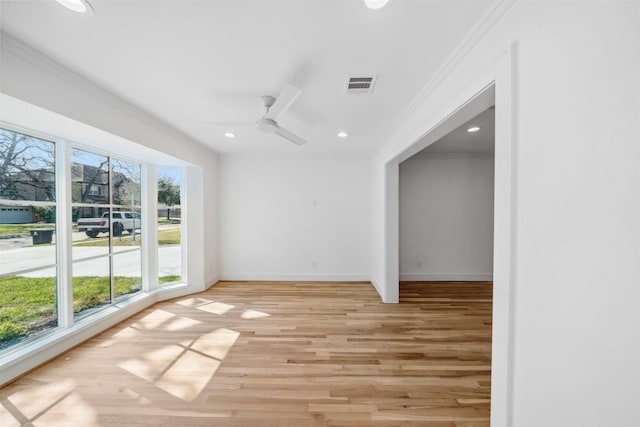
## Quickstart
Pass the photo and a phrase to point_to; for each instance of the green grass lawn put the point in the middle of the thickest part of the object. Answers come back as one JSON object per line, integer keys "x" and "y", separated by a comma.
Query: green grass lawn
{"x": 165, "y": 237}
{"x": 169, "y": 237}
{"x": 15, "y": 229}
{"x": 169, "y": 221}
{"x": 28, "y": 305}
{"x": 169, "y": 279}
{"x": 124, "y": 240}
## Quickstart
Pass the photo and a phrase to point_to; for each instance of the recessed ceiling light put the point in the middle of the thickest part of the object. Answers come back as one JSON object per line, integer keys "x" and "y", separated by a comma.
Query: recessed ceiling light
{"x": 376, "y": 4}
{"x": 473, "y": 129}
{"x": 342, "y": 134}
{"x": 80, "y": 6}
{"x": 230, "y": 134}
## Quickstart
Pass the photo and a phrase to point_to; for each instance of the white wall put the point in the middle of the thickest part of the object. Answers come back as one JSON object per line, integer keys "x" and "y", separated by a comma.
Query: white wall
{"x": 446, "y": 217}
{"x": 69, "y": 106}
{"x": 574, "y": 345}
{"x": 281, "y": 213}
{"x": 41, "y": 95}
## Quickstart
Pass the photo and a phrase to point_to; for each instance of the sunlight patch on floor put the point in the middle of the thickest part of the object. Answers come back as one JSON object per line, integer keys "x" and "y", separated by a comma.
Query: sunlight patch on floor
{"x": 7, "y": 419}
{"x": 127, "y": 334}
{"x": 33, "y": 400}
{"x": 153, "y": 319}
{"x": 188, "y": 376}
{"x": 71, "y": 411}
{"x": 150, "y": 365}
{"x": 253, "y": 314}
{"x": 193, "y": 302}
{"x": 55, "y": 404}
{"x": 183, "y": 370}
{"x": 216, "y": 308}
{"x": 180, "y": 323}
{"x": 137, "y": 397}
{"x": 217, "y": 343}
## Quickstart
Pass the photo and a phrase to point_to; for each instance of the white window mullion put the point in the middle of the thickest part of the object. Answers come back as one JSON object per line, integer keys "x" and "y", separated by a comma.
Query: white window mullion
{"x": 63, "y": 234}
{"x": 184, "y": 210}
{"x": 149, "y": 213}
{"x": 112, "y": 282}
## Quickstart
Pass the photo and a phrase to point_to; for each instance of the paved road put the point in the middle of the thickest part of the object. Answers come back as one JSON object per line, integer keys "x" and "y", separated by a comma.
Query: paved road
{"x": 129, "y": 264}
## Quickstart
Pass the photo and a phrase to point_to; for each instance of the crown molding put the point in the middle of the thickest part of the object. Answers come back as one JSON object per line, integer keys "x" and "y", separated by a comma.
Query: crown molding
{"x": 20, "y": 49}
{"x": 488, "y": 20}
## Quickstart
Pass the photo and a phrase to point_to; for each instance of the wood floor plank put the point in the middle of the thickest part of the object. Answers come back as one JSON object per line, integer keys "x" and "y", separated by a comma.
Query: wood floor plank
{"x": 276, "y": 354}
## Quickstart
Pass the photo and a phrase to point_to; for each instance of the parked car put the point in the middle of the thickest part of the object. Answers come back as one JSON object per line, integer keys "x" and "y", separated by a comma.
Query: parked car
{"x": 122, "y": 220}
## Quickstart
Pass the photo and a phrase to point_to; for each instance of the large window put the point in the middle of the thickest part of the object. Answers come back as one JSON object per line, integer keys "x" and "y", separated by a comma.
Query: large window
{"x": 169, "y": 226}
{"x": 106, "y": 202}
{"x": 71, "y": 233}
{"x": 28, "y": 256}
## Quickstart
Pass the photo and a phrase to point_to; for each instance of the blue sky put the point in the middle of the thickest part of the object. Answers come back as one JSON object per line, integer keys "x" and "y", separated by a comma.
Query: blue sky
{"x": 173, "y": 173}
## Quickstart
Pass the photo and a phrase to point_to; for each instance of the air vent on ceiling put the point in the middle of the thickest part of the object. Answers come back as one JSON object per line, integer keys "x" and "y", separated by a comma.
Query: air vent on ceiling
{"x": 360, "y": 84}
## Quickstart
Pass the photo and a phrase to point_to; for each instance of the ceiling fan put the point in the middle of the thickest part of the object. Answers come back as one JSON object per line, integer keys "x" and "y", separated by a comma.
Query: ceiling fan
{"x": 275, "y": 107}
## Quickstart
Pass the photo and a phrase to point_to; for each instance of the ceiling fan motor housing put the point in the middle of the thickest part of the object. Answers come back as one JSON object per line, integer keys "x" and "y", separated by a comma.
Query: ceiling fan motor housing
{"x": 268, "y": 100}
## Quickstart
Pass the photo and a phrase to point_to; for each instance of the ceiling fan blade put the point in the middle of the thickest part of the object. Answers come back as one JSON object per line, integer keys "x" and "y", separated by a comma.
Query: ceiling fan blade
{"x": 229, "y": 124}
{"x": 287, "y": 96}
{"x": 290, "y": 136}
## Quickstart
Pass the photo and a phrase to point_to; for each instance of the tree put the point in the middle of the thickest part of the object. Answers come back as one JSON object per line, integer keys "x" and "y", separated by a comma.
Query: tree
{"x": 26, "y": 167}
{"x": 88, "y": 172}
{"x": 168, "y": 193}
{"x": 126, "y": 182}
{"x": 45, "y": 214}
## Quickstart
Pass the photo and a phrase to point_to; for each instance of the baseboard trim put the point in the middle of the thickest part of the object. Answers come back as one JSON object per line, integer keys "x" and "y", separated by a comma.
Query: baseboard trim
{"x": 211, "y": 281}
{"x": 421, "y": 277}
{"x": 377, "y": 287}
{"x": 175, "y": 291}
{"x": 296, "y": 277}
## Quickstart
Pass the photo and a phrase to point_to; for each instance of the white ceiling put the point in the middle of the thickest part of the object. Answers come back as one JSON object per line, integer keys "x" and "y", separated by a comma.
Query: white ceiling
{"x": 460, "y": 140}
{"x": 190, "y": 62}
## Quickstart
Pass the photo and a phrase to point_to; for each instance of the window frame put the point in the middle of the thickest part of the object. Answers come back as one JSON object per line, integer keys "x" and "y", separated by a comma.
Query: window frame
{"x": 111, "y": 207}
{"x": 16, "y": 206}
{"x": 183, "y": 235}
{"x": 74, "y": 328}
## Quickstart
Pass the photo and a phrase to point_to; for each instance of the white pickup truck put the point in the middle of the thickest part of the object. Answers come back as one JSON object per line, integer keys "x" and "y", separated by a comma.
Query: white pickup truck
{"x": 122, "y": 220}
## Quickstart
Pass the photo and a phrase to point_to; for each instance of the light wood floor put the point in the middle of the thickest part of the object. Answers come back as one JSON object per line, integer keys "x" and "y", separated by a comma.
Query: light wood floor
{"x": 276, "y": 354}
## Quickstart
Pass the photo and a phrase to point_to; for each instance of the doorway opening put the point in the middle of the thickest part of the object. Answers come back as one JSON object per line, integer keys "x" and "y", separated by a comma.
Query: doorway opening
{"x": 492, "y": 88}
{"x": 446, "y": 206}
{"x": 446, "y": 232}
